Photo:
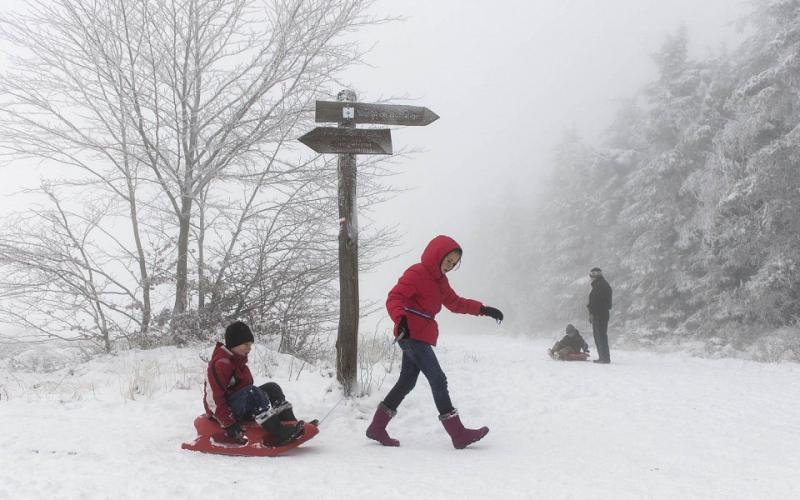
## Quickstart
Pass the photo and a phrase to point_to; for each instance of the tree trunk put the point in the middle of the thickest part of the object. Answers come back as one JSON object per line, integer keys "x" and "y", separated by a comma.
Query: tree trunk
{"x": 181, "y": 272}
{"x": 201, "y": 260}
{"x": 140, "y": 257}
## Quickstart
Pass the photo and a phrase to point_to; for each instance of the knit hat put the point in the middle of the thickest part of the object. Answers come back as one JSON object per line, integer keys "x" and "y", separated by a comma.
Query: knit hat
{"x": 237, "y": 333}
{"x": 595, "y": 273}
{"x": 571, "y": 330}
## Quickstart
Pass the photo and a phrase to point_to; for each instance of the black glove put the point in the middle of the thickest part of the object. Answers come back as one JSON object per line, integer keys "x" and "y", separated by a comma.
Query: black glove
{"x": 402, "y": 329}
{"x": 492, "y": 312}
{"x": 235, "y": 432}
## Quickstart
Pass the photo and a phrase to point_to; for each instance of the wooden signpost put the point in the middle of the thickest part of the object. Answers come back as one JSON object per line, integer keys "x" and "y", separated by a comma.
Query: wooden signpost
{"x": 348, "y": 141}
{"x": 342, "y": 140}
{"x": 384, "y": 114}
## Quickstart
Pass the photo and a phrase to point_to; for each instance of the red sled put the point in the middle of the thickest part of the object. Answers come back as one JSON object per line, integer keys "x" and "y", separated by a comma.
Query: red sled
{"x": 573, "y": 356}
{"x": 211, "y": 438}
{"x": 577, "y": 356}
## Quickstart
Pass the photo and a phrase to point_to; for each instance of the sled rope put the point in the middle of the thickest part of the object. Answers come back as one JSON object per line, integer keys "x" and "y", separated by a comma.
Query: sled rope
{"x": 330, "y": 411}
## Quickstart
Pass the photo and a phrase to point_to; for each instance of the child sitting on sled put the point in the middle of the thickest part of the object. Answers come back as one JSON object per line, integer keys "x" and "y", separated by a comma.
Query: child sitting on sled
{"x": 572, "y": 346}
{"x": 230, "y": 397}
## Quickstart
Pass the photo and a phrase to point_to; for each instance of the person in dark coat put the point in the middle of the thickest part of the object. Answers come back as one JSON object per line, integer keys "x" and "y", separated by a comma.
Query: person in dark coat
{"x": 413, "y": 304}
{"x": 572, "y": 343}
{"x": 599, "y": 312}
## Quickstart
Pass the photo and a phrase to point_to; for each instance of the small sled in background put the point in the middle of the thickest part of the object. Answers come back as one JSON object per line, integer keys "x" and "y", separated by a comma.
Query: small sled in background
{"x": 211, "y": 438}
{"x": 568, "y": 356}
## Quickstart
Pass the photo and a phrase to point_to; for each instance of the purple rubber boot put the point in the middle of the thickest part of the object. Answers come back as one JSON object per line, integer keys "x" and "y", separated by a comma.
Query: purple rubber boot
{"x": 461, "y": 436}
{"x": 377, "y": 429}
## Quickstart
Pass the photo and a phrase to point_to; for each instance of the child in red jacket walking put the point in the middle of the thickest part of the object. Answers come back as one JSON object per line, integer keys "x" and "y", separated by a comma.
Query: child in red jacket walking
{"x": 413, "y": 304}
{"x": 230, "y": 396}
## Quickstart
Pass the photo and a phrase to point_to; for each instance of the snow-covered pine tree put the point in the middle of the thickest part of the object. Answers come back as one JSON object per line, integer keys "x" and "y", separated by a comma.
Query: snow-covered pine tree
{"x": 753, "y": 225}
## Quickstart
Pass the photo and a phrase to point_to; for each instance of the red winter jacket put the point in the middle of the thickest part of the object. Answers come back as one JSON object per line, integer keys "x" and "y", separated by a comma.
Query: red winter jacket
{"x": 227, "y": 373}
{"x": 422, "y": 290}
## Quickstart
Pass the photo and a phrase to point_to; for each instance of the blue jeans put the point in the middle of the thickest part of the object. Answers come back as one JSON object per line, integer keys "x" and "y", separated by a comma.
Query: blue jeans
{"x": 250, "y": 401}
{"x": 419, "y": 356}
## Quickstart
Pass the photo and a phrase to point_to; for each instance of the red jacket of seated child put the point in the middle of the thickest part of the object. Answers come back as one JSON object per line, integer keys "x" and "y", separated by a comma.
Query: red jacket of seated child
{"x": 227, "y": 373}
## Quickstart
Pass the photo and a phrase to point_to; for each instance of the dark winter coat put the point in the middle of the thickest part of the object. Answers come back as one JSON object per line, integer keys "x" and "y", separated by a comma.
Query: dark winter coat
{"x": 574, "y": 342}
{"x": 227, "y": 373}
{"x": 600, "y": 297}
{"x": 422, "y": 290}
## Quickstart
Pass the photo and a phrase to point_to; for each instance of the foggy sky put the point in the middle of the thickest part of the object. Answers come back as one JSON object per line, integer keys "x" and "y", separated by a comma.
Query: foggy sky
{"x": 507, "y": 79}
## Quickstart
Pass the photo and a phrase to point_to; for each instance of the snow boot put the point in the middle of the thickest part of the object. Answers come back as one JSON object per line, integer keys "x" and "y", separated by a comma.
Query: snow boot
{"x": 270, "y": 421}
{"x": 283, "y": 434}
{"x": 285, "y": 412}
{"x": 377, "y": 429}
{"x": 461, "y": 436}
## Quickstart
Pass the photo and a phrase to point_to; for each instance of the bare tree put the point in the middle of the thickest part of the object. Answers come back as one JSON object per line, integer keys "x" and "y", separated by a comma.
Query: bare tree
{"x": 57, "y": 275}
{"x": 277, "y": 265}
{"x": 165, "y": 102}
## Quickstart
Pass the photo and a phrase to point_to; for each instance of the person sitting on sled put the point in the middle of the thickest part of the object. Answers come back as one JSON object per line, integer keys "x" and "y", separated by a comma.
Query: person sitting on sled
{"x": 571, "y": 344}
{"x": 412, "y": 304}
{"x": 230, "y": 397}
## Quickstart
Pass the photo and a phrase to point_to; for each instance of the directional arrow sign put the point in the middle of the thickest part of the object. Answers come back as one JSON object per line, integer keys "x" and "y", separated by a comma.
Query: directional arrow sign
{"x": 386, "y": 114}
{"x": 360, "y": 141}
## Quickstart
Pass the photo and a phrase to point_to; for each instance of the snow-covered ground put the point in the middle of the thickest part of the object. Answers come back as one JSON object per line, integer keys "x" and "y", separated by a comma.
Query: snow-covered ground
{"x": 646, "y": 426}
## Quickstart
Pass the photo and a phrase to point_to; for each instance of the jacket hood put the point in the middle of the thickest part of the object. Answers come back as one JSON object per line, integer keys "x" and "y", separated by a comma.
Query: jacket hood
{"x": 220, "y": 351}
{"x": 436, "y": 251}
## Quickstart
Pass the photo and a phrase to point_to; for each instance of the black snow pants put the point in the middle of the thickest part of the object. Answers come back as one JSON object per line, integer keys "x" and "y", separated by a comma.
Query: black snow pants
{"x": 600, "y": 331}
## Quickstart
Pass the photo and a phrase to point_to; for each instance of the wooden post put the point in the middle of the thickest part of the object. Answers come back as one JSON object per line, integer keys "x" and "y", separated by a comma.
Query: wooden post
{"x": 347, "y": 141}
{"x": 347, "y": 339}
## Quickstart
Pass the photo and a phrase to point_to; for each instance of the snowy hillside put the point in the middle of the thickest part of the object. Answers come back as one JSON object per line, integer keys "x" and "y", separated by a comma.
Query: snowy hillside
{"x": 647, "y": 426}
